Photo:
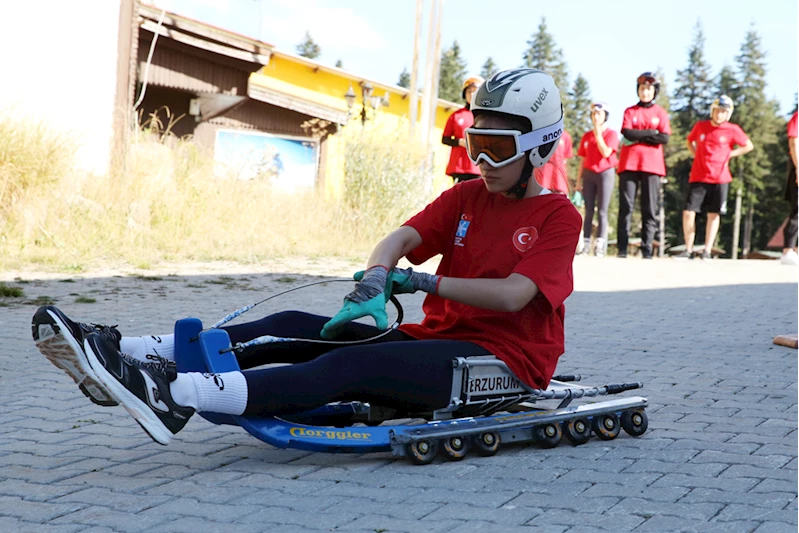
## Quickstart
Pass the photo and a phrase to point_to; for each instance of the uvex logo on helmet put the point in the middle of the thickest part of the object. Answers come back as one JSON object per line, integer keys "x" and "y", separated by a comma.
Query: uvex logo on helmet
{"x": 539, "y": 100}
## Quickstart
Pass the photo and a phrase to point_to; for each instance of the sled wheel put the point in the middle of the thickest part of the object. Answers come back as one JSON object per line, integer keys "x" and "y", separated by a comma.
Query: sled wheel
{"x": 606, "y": 426}
{"x": 547, "y": 435}
{"x": 487, "y": 444}
{"x": 577, "y": 431}
{"x": 634, "y": 422}
{"x": 456, "y": 448}
{"x": 422, "y": 452}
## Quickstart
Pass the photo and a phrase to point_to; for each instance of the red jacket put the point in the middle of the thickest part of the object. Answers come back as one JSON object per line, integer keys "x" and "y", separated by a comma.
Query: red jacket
{"x": 459, "y": 162}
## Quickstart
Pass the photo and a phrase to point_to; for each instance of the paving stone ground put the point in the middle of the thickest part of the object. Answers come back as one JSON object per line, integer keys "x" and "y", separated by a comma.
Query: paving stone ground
{"x": 720, "y": 454}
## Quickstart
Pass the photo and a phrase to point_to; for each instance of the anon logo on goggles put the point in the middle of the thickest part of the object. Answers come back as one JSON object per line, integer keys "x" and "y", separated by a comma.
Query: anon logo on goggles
{"x": 502, "y": 147}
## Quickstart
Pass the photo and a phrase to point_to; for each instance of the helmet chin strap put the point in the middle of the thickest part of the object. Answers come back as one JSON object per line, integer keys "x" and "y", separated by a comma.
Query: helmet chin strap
{"x": 520, "y": 188}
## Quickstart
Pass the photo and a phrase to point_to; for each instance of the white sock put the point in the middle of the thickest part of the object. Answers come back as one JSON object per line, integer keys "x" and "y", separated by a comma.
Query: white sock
{"x": 141, "y": 347}
{"x": 224, "y": 393}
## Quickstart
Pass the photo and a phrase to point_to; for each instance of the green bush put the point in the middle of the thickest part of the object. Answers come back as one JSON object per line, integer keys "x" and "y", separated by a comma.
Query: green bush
{"x": 385, "y": 179}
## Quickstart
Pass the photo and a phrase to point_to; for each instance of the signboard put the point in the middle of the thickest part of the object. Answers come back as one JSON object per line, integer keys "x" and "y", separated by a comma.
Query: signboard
{"x": 289, "y": 163}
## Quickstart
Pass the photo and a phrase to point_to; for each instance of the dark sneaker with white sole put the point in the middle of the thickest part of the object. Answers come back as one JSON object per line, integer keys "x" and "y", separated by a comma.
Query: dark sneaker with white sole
{"x": 141, "y": 387}
{"x": 61, "y": 341}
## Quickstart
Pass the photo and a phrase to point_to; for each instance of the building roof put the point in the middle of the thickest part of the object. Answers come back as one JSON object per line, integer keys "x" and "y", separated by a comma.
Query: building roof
{"x": 204, "y": 36}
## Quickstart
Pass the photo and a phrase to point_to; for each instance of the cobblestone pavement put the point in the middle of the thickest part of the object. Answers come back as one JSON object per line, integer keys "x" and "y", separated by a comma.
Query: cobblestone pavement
{"x": 720, "y": 454}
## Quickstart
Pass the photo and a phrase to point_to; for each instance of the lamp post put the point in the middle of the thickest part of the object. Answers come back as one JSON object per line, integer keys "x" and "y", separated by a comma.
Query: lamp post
{"x": 366, "y": 95}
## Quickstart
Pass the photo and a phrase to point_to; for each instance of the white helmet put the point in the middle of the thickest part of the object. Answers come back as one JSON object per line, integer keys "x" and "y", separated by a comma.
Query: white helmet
{"x": 531, "y": 94}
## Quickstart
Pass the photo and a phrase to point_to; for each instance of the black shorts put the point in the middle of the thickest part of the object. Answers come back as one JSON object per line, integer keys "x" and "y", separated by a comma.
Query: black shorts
{"x": 707, "y": 197}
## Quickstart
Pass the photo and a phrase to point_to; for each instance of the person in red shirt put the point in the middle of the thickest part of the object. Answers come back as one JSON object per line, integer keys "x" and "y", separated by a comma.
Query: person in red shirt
{"x": 459, "y": 166}
{"x": 646, "y": 128}
{"x": 554, "y": 175}
{"x": 598, "y": 162}
{"x": 789, "y": 251}
{"x": 713, "y": 143}
{"x": 506, "y": 246}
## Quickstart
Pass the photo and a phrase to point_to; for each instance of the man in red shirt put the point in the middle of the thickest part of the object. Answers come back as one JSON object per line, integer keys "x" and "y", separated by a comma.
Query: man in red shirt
{"x": 507, "y": 246}
{"x": 789, "y": 251}
{"x": 713, "y": 143}
{"x": 459, "y": 166}
{"x": 554, "y": 175}
{"x": 646, "y": 128}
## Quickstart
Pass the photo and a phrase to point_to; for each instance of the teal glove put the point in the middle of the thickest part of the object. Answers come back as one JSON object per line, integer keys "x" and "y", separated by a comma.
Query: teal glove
{"x": 376, "y": 308}
{"x": 368, "y": 299}
{"x": 577, "y": 199}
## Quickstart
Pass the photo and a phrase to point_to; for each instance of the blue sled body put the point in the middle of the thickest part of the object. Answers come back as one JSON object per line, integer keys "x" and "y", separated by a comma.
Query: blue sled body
{"x": 330, "y": 428}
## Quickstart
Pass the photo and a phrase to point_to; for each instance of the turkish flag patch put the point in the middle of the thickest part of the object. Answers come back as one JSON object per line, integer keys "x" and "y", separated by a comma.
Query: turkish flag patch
{"x": 524, "y": 238}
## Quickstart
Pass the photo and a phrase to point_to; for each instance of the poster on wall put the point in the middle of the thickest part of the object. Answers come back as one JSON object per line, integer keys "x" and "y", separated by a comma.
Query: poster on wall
{"x": 289, "y": 163}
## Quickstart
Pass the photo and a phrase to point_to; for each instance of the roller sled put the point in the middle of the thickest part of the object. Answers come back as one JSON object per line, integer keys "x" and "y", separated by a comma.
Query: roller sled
{"x": 489, "y": 406}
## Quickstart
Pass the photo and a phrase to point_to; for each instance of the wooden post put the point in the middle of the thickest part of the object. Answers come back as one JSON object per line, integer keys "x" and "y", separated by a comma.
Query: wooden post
{"x": 435, "y": 75}
{"x": 428, "y": 71}
{"x": 736, "y": 226}
{"x": 417, "y": 45}
{"x": 750, "y": 211}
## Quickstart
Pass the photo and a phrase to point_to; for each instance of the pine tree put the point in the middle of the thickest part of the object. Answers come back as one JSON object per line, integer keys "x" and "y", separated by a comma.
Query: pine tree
{"x": 693, "y": 94}
{"x": 578, "y": 118}
{"x": 759, "y": 118}
{"x": 543, "y": 54}
{"x": 339, "y": 63}
{"x": 404, "y": 78}
{"x": 726, "y": 83}
{"x": 489, "y": 69}
{"x": 452, "y": 73}
{"x": 308, "y": 48}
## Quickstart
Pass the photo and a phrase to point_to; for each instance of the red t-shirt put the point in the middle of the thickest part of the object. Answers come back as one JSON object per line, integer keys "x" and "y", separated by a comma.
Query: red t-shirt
{"x": 589, "y": 150}
{"x": 640, "y": 157}
{"x": 792, "y": 127}
{"x": 486, "y": 235}
{"x": 552, "y": 176}
{"x": 713, "y": 147}
{"x": 459, "y": 162}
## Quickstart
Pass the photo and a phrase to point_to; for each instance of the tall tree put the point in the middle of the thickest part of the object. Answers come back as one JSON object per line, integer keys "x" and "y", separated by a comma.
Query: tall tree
{"x": 308, "y": 48}
{"x": 694, "y": 91}
{"x": 578, "y": 117}
{"x": 543, "y": 54}
{"x": 726, "y": 82}
{"x": 452, "y": 73}
{"x": 489, "y": 69}
{"x": 759, "y": 118}
{"x": 404, "y": 78}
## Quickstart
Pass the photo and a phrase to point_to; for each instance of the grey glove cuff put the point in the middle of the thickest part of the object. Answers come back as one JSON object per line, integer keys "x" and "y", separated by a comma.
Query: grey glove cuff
{"x": 424, "y": 282}
{"x": 372, "y": 284}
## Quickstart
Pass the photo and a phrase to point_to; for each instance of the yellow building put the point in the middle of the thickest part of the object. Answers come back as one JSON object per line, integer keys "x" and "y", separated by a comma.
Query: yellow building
{"x": 232, "y": 91}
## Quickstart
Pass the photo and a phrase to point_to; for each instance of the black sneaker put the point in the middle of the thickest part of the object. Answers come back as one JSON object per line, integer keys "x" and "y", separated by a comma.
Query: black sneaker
{"x": 61, "y": 341}
{"x": 142, "y": 388}
{"x": 685, "y": 255}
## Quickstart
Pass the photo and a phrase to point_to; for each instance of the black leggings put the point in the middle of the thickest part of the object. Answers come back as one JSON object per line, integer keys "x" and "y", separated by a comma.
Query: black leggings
{"x": 650, "y": 196}
{"x": 792, "y": 227}
{"x": 395, "y": 371}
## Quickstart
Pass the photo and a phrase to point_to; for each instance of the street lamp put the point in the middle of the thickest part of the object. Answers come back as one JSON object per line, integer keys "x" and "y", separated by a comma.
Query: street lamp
{"x": 366, "y": 95}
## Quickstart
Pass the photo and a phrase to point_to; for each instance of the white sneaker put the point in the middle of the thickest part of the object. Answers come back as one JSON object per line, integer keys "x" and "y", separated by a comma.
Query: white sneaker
{"x": 790, "y": 258}
{"x": 599, "y": 248}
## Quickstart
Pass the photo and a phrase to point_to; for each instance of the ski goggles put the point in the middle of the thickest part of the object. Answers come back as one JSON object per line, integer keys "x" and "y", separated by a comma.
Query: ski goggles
{"x": 647, "y": 77}
{"x": 502, "y": 147}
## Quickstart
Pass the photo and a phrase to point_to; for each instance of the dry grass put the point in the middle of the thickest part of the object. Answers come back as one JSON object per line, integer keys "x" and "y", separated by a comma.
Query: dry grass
{"x": 168, "y": 205}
